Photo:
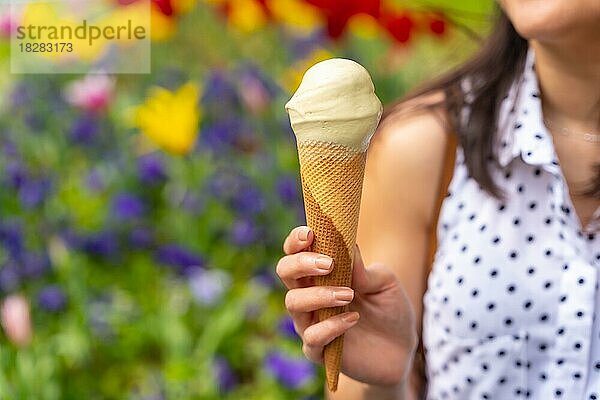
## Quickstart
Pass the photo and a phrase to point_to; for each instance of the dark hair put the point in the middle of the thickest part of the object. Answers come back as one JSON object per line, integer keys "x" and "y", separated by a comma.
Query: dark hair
{"x": 494, "y": 67}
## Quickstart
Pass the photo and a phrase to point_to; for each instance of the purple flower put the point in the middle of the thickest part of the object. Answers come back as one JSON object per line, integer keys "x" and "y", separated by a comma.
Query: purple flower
{"x": 192, "y": 203}
{"x": 287, "y": 189}
{"x": 84, "y": 129}
{"x": 33, "y": 192}
{"x": 22, "y": 95}
{"x": 8, "y": 147}
{"x": 209, "y": 286}
{"x": 228, "y": 134}
{"x": 183, "y": 260}
{"x": 9, "y": 278}
{"x": 151, "y": 169}
{"x": 52, "y": 298}
{"x": 11, "y": 236}
{"x": 141, "y": 238}
{"x": 102, "y": 244}
{"x": 34, "y": 265}
{"x": 243, "y": 233}
{"x": 220, "y": 96}
{"x": 303, "y": 45}
{"x": 286, "y": 327}
{"x": 225, "y": 183}
{"x": 220, "y": 135}
{"x": 266, "y": 277}
{"x": 226, "y": 377}
{"x": 94, "y": 181}
{"x": 16, "y": 174}
{"x": 291, "y": 372}
{"x": 249, "y": 201}
{"x": 127, "y": 206}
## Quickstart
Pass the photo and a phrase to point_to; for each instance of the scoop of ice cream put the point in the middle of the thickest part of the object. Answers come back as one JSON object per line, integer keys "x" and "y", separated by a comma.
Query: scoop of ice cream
{"x": 335, "y": 103}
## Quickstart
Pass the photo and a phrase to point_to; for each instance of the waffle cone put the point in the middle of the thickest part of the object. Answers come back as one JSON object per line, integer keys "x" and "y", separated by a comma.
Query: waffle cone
{"x": 332, "y": 177}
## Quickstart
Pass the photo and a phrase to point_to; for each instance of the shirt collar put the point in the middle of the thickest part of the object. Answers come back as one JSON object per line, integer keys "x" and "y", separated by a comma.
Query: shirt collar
{"x": 521, "y": 130}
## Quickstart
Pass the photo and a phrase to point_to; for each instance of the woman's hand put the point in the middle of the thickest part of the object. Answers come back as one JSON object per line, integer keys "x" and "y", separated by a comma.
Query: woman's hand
{"x": 380, "y": 333}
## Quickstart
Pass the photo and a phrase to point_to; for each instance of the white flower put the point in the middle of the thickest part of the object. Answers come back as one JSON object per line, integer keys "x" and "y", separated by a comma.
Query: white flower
{"x": 92, "y": 93}
{"x": 209, "y": 286}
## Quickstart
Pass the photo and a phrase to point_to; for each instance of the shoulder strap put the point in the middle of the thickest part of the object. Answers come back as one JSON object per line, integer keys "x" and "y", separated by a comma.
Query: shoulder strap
{"x": 449, "y": 160}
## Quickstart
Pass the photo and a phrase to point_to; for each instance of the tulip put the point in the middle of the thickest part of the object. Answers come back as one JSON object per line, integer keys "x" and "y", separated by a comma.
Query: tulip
{"x": 16, "y": 320}
{"x": 170, "y": 119}
{"x": 92, "y": 93}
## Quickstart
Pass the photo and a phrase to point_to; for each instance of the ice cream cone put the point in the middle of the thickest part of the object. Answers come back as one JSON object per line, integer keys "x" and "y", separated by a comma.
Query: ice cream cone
{"x": 332, "y": 177}
{"x": 334, "y": 113}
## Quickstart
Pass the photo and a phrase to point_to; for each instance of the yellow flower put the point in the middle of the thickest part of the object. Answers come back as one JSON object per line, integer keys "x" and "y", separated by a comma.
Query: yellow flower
{"x": 183, "y": 6}
{"x": 364, "y": 25}
{"x": 170, "y": 119}
{"x": 163, "y": 27}
{"x": 296, "y": 14}
{"x": 247, "y": 15}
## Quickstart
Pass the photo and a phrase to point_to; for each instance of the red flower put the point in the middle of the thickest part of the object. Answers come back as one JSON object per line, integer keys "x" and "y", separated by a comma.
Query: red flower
{"x": 164, "y": 6}
{"x": 437, "y": 25}
{"x": 265, "y": 7}
{"x": 399, "y": 26}
{"x": 339, "y": 12}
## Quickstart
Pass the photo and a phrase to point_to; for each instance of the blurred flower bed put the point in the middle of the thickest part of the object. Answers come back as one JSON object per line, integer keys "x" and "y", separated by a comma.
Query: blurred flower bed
{"x": 141, "y": 217}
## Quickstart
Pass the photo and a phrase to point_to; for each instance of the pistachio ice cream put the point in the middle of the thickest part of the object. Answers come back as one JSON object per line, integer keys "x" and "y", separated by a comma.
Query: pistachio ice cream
{"x": 335, "y": 102}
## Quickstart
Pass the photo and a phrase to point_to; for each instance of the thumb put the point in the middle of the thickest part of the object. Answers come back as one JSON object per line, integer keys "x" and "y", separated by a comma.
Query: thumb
{"x": 372, "y": 279}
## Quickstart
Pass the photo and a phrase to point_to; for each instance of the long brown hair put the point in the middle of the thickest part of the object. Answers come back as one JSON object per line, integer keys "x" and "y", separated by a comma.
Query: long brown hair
{"x": 495, "y": 66}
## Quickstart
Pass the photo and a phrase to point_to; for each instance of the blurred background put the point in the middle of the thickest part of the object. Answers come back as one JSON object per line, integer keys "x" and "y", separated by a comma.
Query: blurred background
{"x": 141, "y": 216}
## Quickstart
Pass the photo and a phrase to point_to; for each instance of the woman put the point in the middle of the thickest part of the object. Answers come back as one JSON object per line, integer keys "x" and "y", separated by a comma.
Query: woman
{"x": 508, "y": 309}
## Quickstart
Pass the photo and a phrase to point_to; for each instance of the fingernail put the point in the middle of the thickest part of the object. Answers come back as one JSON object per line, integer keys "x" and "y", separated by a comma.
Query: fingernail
{"x": 343, "y": 295}
{"x": 323, "y": 263}
{"x": 303, "y": 234}
{"x": 351, "y": 317}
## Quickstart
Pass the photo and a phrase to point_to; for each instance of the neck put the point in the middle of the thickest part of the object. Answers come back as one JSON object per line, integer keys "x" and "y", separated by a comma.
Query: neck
{"x": 569, "y": 79}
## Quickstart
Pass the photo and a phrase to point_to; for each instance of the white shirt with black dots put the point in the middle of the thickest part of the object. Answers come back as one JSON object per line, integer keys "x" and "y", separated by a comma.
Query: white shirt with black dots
{"x": 510, "y": 308}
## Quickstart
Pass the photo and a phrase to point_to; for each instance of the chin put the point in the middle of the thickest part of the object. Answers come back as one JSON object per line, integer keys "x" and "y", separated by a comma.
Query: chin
{"x": 548, "y": 20}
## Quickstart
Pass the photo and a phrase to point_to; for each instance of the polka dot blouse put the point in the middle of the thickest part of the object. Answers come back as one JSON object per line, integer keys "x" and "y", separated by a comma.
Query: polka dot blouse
{"x": 510, "y": 308}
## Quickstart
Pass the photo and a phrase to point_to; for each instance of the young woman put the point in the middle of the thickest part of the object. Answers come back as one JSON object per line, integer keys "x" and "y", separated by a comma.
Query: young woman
{"x": 507, "y": 309}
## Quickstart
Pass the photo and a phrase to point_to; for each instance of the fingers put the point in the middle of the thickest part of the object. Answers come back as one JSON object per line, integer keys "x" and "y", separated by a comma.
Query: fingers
{"x": 301, "y": 302}
{"x": 317, "y": 336}
{"x": 299, "y": 239}
{"x": 296, "y": 266}
{"x": 304, "y": 300}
